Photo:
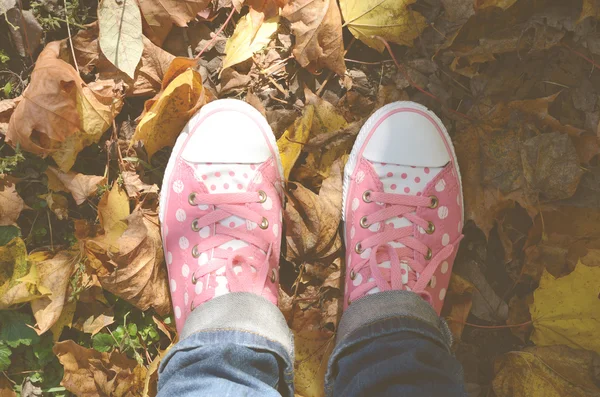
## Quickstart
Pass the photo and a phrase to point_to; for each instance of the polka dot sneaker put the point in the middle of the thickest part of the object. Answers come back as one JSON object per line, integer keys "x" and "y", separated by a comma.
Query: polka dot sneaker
{"x": 221, "y": 207}
{"x": 403, "y": 205}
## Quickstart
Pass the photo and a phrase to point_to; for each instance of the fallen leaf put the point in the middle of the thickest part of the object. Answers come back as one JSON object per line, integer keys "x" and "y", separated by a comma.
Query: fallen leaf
{"x": 18, "y": 276}
{"x": 312, "y": 353}
{"x": 591, "y": 8}
{"x": 79, "y": 185}
{"x": 88, "y": 372}
{"x": 25, "y": 30}
{"x": 166, "y": 114}
{"x": 148, "y": 75}
{"x": 54, "y": 274}
{"x": 460, "y": 301}
{"x": 161, "y": 15}
{"x": 134, "y": 185}
{"x": 291, "y": 142}
{"x": 93, "y": 325}
{"x": 504, "y": 4}
{"x": 391, "y": 20}
{"x": 248, "y": 39}
{"x": 518, "y": 313}
{"x": 11, "y": 205}
{"x": 120, "y": 25}
{"x": 64, "y": 320}
{"x": 317, "y": 25}
{"x": 58, "y": 204}
{"x": 59, "y": 114}
{"x": 113, "y": 209}
{"x": 565, "y": 310}
{"x": 6, "y": 388}
{"x": 553, "y": 371}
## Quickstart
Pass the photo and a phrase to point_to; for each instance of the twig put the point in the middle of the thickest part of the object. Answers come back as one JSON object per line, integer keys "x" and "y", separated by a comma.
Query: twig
{"x": 581, "y": 55}
{"x": 320, "y": 91}
{"x": 70, "y": 38}
{"x": 217, "y": 33}
{"x": 411, "y": 81}
{"x": 367, "y": 63}
{"x": 491, "y": 326}
{"x": 50, "y": 227}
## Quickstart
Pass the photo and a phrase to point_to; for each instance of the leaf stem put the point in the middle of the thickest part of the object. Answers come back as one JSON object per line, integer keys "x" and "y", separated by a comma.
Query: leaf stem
{"x": 70, "y": 37}
{"x": 233, "y": 10}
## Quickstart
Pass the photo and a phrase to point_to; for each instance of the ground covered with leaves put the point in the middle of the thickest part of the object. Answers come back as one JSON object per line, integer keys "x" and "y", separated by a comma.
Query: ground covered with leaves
{"x": 95, "y": 95}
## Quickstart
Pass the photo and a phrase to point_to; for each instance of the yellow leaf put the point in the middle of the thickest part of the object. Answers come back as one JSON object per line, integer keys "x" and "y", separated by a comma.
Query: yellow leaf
{"x": 460, "y": 301}
{"x": 113, "y": 208}
{"x": 18, "y": 277}
{"x": 553, "y": 371}
{"x": 566, "y": 310}
{"x": 504, "y": 4}
{"x": 591, "y": 8}
{"x": 246, "y": 40}
{"x": 81, "y": 186}
{"x": 312, "y": 350}
{"x": 391, "y": 20}
{"x": 170, "y": 111}
{"x": 291, "y": 142}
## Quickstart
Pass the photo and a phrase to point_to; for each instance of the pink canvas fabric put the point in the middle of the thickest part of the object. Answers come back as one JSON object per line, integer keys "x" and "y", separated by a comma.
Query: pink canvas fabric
{"x": 389, "y": 212}
{"x": 221, "y": 228}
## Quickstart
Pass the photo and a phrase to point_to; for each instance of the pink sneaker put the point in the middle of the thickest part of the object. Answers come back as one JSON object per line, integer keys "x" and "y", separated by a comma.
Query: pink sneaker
{"x": 221, "y": 207}
{"x": 403, "y": 205}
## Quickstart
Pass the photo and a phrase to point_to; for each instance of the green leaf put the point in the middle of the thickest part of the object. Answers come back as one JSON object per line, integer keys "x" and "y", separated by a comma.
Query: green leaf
{"x": 7, "y": 233}
{"x": 4, "y": 357}
{"x": 132, "y": 329}
{"x": 14, "y": 330}
{"x": 120, "y": 23}
{"x": 103, "y": 342}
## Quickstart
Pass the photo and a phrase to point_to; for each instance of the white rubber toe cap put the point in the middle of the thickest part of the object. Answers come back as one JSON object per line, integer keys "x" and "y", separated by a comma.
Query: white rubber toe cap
{"x": 228, "y": 131}
{"x": 407, "y": 134}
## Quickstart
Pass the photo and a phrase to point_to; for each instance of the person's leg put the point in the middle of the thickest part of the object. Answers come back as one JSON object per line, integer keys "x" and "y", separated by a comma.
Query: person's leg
{"x": 221, "y": 214}
{"x": 403, "y": 218}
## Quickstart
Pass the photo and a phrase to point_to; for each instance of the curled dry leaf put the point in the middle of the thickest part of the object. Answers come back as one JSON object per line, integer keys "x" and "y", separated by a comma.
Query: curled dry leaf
{"x": 134, "y": 185}
{"x": 565, "y": 310}
{"x": 58, "y": 113}
{"x": 553, "y": 371}
{"x": 54, "y": 274}
{"x": 11, "y": 205}
{"x": 91, "y": 373}
{"x": 79, "y": 185}
{"x": 391, "y": 20}
{"x": 168, "y": 112}
{"x": 248, "y": 39}
{"x": 120, "y": 24}
{"x": 160, "y": 16}
{"x": 90, "y": 59}
{"x": 317, "y": 25}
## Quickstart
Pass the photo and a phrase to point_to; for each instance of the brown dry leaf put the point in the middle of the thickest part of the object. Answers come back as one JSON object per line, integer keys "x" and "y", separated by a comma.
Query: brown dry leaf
{"x": 167, "y": 113}
{"x": 553, "y": 371}
{"x": 11, "y": 205}
{"x": 459, "y": 300}
{"x": 134, "y": 271}
{"x": 19, "y": 278}
{"x": 90, "y": 59}
{"x": 317, "y": 25}
{"x": 91, "y": 373}
{"x": 159, "y": 16}
{"x": 59, "y": 114}
{"x": 58, "y": 204}
{"x": 313, "y": 219}
{"x": 54, "y": 274}
{"x": 79, "y": 185}
{"x": 518, "y": 313}
{"x": 134, "y": 185}
{"x": 504, "y": 159}
{"x": 6, "y": 388}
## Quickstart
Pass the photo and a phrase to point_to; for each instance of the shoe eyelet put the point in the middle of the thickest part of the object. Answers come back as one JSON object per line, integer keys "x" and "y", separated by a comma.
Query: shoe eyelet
{"x": 194, "y": 279}
{"x": 273, "y": 276}
{"x": 264, "y": 224}
{"x": 192, "y": 199}
{"x": 367, "y": 196}
{"x": 195, "y": 227}
{"x": 434, "y": 202}
{"x": 430, "y": 229}
{"x": 429, "y": 254}
{"x": 363, "y": 222}
{"x": 195, "y": 252}
{"x": 262, "y": 196}
{"x": 358, "y": 248}
{"x": 352, "y": 275}
{"x": 349, "y": 301}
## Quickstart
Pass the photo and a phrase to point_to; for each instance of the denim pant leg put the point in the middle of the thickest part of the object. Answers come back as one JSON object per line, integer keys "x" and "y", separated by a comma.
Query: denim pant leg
{"x": 238, "y": 344}
{"x": 393, "y": 344}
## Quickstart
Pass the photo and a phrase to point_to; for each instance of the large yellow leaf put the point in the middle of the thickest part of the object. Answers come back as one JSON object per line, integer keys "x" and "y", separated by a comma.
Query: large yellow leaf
{"x": 390, "y": 19}
{"x": 291, "y": 142}
{"x": 18, "y": 276}
{"x": 591, "y": 8}
{"x": 312, "y": 353}
{"x": 248, "y": 39}
{"x": 165, "y": 115}
{"x": 113, "y": 208}
{"x": 566, "y": 310}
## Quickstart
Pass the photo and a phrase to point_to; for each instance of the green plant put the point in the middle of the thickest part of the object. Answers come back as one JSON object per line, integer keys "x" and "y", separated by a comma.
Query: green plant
{"x": 10, "y": 163}
{"x": 53, "y": 19}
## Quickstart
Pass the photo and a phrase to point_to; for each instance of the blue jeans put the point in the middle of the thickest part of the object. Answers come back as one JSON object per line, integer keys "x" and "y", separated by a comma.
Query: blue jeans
{"x": 388, "y": 344}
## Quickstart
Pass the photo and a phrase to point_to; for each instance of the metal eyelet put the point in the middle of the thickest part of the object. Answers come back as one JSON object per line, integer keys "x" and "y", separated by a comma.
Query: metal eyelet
{"x": 367, "y": 196}
{"x": 195, "y": 225}
{"x": 429, "y": 254}
{"x": 363, "y": 222}
{"x": 349, "y": 301}
{"x": 192, "y": 199}
{"x": 194, "y": 279}
{"x": 195, "y": 252}
{"x": 434, "y": 202}
{"x": 262, "y": 196}
{"x": 352, "y": 275}
{"x": 358, "y": 248}
{"x": 273, "y": 275}
{"x": 430, "y": 229}
{"x": 264, "y": 224}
